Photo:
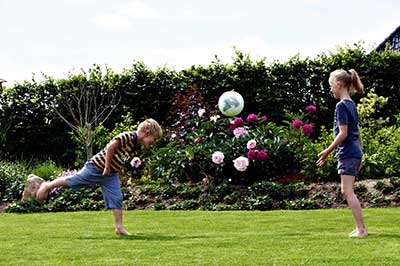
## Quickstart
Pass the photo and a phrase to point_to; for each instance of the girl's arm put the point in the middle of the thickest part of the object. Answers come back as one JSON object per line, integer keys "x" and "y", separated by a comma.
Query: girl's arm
{"x": 339, "y": 139}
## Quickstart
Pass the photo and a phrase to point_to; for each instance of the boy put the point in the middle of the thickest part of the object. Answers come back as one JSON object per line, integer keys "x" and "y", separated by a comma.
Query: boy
{"x": 103, "y": 169}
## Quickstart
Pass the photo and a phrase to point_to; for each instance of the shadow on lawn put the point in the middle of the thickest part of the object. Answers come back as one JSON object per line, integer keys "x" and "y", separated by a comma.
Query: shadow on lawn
{"x": 384, "y": 235}
{"x": 139, "y": 236}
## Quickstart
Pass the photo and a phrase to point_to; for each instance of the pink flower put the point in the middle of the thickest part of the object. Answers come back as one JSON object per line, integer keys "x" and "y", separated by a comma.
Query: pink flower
{"x": 252, "y": 154}
{"x": 218, "y": 157}
{"x": 264, "y": 118}
{"x": 136, "y": 162}
{"x": 241, "y": 163}
{"x": 251, "y": 144}
{"x": 297, "y": 124}
{"x": 201, "y": 112}
{"x": 311, "y": 108}
{"x": 198, "y": 140}
{"x": 240, "y": 132}
{"x": 262, "y": 155}
{"x": 307, "y": 129}
{"x": 237, "y": 122}
{"x": 252, "y": 117}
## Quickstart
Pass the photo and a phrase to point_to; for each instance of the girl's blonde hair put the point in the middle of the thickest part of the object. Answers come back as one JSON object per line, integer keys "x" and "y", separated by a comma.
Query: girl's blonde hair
{"x": 150, "y": 125}
{"x": 350, "y": 80}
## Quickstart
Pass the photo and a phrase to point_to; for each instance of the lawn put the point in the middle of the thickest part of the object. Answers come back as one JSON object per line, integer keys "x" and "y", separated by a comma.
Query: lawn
{"x": 317, "y": 237}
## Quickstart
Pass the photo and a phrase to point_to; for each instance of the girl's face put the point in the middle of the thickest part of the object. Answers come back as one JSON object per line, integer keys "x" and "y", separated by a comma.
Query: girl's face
{"x": 336, "y": 88}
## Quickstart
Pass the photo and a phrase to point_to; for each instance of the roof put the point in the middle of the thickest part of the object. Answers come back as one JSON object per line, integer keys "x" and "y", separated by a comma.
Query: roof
{"x": 393, "y": 39}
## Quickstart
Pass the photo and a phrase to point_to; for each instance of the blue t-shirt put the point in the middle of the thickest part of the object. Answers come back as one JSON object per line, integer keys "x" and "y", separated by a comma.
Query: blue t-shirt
{"x": 346, "y": 114}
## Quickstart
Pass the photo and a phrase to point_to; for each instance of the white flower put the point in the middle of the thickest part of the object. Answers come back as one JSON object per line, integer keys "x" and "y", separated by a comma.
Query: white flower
{"x": 136, "y": 162}
{"x": 214, "y": 118}
{"x": 201, "y": 112}
{"x": 251, "y": 144}
{"x": 218, "y": 157}
{"x": 241, "y": 163}
{"x": 173, "y": 135}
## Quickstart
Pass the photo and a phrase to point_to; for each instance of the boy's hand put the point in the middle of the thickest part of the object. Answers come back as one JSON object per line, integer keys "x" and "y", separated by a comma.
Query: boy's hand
{"x": 322, "y": 157}
{"x": 106, "y": 171}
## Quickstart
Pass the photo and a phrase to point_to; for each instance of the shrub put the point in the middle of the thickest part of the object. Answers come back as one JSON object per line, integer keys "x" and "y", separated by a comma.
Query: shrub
{"x": 47, "y": 170}
{"x": 12, "y": 180}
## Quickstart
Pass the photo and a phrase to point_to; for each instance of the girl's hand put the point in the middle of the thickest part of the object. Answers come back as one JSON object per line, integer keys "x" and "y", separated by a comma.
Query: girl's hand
{"x": 322, "y": 157}
{"x": 360, "y": 167}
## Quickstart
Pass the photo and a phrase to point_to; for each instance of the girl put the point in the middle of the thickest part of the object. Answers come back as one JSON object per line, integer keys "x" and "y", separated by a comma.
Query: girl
{"x": 347, "y": 140}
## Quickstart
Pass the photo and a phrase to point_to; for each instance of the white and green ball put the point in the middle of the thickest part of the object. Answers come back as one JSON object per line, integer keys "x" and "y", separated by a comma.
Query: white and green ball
{"x": 230, "y": 103}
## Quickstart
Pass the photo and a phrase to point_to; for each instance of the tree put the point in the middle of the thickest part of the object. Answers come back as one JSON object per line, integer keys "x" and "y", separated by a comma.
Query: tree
{"x": 84, "y": 101}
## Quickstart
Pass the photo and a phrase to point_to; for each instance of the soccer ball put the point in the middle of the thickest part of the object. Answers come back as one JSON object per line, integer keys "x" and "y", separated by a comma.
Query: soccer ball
{"x": 230, "y": 103}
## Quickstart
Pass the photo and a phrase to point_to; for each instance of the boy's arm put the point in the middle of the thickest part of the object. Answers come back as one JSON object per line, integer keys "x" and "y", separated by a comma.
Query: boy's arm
{"x": 115, "y": 144}
{"x": 339, "y": 139}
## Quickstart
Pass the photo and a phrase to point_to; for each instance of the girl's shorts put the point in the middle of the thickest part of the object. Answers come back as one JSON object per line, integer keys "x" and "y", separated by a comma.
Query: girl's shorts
{"x": 349, "y": 166}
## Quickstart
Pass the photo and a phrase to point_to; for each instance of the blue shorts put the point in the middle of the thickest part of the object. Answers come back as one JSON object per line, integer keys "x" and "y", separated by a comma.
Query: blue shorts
{"x": 90, "y": 174}
{"x": 348, "y": 166}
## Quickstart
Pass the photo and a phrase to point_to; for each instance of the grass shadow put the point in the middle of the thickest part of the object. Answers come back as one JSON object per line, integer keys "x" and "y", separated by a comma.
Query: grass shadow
{"x": 384, "y": 235}
{"x": 140, "y": 236}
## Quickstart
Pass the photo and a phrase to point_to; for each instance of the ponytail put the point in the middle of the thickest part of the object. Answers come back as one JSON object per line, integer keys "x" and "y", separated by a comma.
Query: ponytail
{"x": 356, "y": 84}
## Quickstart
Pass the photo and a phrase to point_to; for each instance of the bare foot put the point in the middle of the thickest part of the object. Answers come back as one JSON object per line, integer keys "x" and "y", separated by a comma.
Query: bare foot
{"x": 122, "y": 232}
{"x": 359, "y": 233}
{"x": 43, "y": 192}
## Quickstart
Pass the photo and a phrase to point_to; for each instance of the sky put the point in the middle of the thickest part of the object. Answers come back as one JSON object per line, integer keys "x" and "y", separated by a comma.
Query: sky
{"x": 56, "y": 37}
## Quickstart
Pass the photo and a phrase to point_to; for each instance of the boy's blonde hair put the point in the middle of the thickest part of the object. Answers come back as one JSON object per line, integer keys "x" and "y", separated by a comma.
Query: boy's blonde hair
{"x": 151, "y": 126}
{"x": 350, "y": 80}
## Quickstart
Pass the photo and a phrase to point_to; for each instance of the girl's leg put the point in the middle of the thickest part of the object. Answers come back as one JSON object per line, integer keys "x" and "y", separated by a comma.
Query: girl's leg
{"x": 347, "y": 188}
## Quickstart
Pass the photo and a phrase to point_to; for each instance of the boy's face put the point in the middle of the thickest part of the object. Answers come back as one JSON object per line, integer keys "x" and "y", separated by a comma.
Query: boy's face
{"x": 148, "y": 140}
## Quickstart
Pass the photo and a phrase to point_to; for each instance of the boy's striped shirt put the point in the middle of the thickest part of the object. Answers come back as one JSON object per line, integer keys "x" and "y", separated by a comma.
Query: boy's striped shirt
{"x": 126, "y": 151}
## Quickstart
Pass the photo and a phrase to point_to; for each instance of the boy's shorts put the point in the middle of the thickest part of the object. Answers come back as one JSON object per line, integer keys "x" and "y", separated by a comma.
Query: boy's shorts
{"x": 90, "y": 174}
{"x": 349, "y": 166}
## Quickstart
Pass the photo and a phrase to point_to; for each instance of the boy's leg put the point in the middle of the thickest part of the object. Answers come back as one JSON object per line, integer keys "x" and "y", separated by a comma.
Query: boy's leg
{"x": 113, "y": 200}
{"x": 88, "y": 175}
{"x": 119, "y": 227}
{"x": 347, "y": 187}
{"x": 45, "y": 187}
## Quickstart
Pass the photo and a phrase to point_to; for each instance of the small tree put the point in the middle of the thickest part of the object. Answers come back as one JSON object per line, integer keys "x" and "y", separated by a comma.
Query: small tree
{"x": 84, "y": 101}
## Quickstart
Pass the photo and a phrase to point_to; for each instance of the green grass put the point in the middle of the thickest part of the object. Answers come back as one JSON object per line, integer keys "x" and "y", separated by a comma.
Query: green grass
{"x": 317, "y": 237}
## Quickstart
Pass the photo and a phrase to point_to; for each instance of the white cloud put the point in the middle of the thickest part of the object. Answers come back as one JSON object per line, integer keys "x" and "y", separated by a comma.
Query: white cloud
{"x": 114, "y": 22}
{"x": 121, "y": 16}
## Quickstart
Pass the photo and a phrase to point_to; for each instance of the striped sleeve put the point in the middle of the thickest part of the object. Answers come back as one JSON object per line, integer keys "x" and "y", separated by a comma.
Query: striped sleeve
{"x": 124, "y": 138}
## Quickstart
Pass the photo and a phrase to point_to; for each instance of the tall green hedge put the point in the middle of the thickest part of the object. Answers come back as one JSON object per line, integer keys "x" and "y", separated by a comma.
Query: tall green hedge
{"x": 29, "y": 129}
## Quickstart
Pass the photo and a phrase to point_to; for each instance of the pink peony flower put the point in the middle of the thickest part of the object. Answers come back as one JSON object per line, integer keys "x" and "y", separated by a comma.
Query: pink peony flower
{"x": 241, "y": 163}
{"x": 218, "y": 157}
{"x": 297, "y": 124}
{"x": 240, "y": 132}
{"x": 237, "y": 122}
{"x": 252, "y": 117}
{"x": 262, "y": 155}
{"x": 136, "y": 162}
{"x": 201, "y": 112}
{"x": 252, "y": 154}
{"x": 198, "y": 140}
{"x": 264, "y": 118}
{"x": 311, "y": 108}
{"x": 307, "y": 129}
{"x": 251, "y": 144}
